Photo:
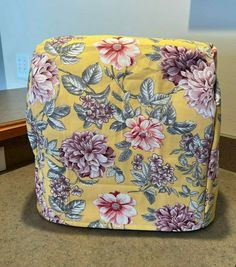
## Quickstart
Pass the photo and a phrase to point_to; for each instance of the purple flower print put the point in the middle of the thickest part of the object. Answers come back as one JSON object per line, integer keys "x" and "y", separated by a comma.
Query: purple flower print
{"x": 198, "y": 83}
{"x": 175, "y": 218}
{"x": 95, "y": 111}
{"x": 199, "y": 148}
{"x": 39, "y": 187}
{"x": 60, "y": 188}
{"x": 178, "y": 59}
{"x": 76, "y": 191}
{"x": 213, "y": 165}
{"x": 44, "y": 79}
{"x": 87, "y": 153}
{"x": 161, "y": 174}
{"x": 46, "y": 212}
{"x": 137, "y": 162}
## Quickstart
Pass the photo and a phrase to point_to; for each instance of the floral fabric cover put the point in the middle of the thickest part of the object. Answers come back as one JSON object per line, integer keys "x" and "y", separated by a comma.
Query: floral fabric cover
{"x": 125, "y": 132}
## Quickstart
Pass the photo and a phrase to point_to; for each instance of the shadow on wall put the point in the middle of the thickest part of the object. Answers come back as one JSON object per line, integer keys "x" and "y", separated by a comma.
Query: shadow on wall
{"x": 2, "y": 69}
{"x": 212, "y": 15}
{"x": 31, "y": 217}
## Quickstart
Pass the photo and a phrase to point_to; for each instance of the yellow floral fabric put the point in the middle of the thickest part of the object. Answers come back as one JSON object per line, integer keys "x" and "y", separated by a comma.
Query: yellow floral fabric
{"x": 125, "y": 132}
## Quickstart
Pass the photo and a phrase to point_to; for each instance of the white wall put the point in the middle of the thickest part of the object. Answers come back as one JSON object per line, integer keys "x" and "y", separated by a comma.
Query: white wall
{"x": 24, "y": 23}
{"x": 2, "y": 70}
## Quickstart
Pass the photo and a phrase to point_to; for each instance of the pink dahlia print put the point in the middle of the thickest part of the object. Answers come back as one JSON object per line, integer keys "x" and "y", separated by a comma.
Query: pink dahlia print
{"x": 213, "y": 165}
{"x": 145, "y": 134}
{"x": 198, "y": 83}
{"x": 44, "y": 78}
{"x": 118, "y": 51}
{"x": 87, "y": 153}
{"x": 175, "y": 219}
{"x": 116, "y": 208}
{"x": 177, "y": 59}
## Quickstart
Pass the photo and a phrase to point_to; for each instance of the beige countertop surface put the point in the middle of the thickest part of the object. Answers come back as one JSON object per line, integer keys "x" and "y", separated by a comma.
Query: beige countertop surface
{"x": 12, "y": 104}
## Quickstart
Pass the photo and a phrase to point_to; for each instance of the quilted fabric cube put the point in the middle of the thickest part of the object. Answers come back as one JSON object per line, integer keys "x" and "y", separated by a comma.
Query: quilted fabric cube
{"x": 125, "y": 132}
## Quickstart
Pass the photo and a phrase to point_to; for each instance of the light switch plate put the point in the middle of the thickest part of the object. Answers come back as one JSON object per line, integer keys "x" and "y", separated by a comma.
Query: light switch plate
{"x": 22, "y": 66}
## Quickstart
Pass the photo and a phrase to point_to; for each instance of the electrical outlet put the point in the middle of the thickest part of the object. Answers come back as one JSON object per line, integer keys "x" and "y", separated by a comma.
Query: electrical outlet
{"x": 22, "y": 66}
